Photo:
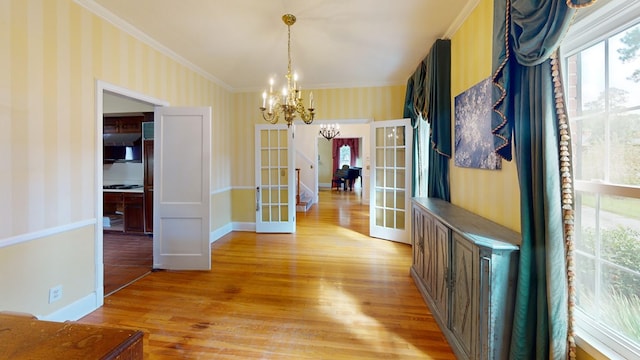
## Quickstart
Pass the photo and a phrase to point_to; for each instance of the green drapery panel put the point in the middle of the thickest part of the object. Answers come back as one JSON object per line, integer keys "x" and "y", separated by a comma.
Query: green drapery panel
{"x": 439, "y": 117}
{"x": 428, "y": 97}
{"x": 526, "y": 34}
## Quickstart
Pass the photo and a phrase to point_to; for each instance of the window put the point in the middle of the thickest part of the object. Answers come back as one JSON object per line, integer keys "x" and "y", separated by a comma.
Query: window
{"x": 345, "y": 156}
{"x": 602, "y": 77}
{"x": 422, "y": 160}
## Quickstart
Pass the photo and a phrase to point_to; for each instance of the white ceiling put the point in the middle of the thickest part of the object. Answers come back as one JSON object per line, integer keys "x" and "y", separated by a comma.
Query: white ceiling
{"x": 334, "y": 43}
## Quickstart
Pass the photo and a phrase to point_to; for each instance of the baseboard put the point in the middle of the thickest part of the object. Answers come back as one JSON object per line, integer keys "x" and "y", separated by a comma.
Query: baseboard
{"x": 73, "y": 311}
{"x": 219, "y": 232}
{"x": 244, "y": 226}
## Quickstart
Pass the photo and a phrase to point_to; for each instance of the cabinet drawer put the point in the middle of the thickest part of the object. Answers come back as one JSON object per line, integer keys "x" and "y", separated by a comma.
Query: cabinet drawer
{"x": 112, "y": 197}
{"x": 133, "y": 199}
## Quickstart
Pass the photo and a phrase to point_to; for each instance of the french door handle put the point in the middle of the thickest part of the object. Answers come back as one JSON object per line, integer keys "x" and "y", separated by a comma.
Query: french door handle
{"x": 257, "y": 198}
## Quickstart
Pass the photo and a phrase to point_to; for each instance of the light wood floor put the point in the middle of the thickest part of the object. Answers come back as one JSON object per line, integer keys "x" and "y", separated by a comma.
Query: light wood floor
{"x": 326, "y": 292}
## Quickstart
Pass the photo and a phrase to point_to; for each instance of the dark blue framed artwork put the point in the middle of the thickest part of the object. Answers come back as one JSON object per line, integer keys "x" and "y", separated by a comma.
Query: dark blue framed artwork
{"x": 473, "y": 138}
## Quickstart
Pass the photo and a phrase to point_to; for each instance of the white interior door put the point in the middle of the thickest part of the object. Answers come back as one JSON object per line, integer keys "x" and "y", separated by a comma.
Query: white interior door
{"x": 390, "y": 211}
{"x": 182, "y": 162}
{"x": 275, "y": 179}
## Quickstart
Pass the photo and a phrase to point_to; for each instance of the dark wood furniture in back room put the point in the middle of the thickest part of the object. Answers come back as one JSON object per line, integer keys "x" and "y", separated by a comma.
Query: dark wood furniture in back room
{"x": 465, "y": 267}
{"x": 25, "y": 338}
{"x": 148, "y": 185}
{"x": 124, "y": 210}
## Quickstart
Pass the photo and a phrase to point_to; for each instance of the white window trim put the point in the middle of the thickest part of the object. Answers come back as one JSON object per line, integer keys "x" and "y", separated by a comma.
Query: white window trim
{"x": 591, "y": 26}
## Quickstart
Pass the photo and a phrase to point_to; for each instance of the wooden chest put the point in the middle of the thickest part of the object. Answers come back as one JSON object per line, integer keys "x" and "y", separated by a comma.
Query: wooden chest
{"x": 27, "y": 338}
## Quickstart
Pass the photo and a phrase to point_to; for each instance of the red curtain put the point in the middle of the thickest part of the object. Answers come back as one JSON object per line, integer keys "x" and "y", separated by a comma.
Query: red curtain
{"x": 353, "y": 143}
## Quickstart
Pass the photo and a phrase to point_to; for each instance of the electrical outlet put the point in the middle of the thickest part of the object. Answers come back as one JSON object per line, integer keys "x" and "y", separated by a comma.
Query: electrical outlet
{"x": 55, "y": 293}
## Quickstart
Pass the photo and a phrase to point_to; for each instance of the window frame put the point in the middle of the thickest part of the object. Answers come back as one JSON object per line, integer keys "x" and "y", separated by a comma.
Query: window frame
{"x": 340, "y": 159}
{"x": 591, "y": 26}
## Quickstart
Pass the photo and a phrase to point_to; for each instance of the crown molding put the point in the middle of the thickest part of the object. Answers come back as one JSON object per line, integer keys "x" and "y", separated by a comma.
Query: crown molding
{"x": 324, "y": 86}
{"x": 459, "y": 20}
{"x": 123, "y": 25}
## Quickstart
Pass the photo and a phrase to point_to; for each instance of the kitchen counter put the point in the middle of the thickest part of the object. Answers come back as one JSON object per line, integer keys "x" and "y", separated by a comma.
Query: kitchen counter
{"x": 139, "y": 190}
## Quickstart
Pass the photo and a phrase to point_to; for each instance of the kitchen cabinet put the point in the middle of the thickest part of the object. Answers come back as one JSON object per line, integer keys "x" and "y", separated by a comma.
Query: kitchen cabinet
{"x": 466, "y": 275}
{"x": 122, "y": 124}
{"x": 133, "y": 212}
{"x": 124, "y": 210}
{"x": 148, "y": 185}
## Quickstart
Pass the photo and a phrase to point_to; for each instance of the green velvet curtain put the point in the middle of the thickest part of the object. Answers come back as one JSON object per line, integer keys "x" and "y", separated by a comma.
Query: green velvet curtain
{"x": 526, "y": 114}
{"x": 416, "y": 107}
{"x": 439, "y": 117}
{"x": 428, "y": 97}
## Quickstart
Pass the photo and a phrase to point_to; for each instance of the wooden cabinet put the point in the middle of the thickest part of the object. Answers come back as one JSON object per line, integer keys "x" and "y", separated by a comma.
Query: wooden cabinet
{"x": 26, "y": 338}
{"x": 148, "y": 185}
{"x": 122, "y": 124}
{"x": 124, "y": 210}
{"x": 133, "y": 212}
{"x": 466, "y": 275}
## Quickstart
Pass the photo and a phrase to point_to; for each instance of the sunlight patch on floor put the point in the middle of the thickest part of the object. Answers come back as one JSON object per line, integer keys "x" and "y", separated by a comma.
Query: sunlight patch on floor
{"x": 351, "y": 317}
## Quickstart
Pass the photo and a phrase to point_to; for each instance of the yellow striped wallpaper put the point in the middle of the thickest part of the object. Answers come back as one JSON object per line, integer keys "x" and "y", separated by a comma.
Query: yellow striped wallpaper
{"x": 493, "y": 194}
{"x": 52, "y": 52}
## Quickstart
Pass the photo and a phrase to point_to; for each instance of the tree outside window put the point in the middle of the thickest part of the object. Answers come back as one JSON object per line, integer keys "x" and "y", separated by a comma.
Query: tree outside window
{"x": 345, "y": 156}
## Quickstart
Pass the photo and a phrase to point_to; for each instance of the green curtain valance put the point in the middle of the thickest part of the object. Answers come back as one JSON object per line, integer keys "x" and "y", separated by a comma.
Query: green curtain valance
{"x": 428, "y": 96}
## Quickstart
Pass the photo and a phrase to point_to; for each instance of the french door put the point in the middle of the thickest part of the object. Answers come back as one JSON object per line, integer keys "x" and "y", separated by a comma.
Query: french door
{"x": 275, "y": 179}
{"x": 390, "y": 205}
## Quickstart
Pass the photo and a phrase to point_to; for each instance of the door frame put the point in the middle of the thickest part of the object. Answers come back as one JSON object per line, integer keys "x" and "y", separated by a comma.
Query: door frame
{"x": 101, "y": 87}
{"x": 347, "y": 132}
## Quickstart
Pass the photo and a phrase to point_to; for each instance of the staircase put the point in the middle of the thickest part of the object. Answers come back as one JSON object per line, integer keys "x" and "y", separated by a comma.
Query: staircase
{"x": 303, "y": 200}
{"x": 304, "y": 203}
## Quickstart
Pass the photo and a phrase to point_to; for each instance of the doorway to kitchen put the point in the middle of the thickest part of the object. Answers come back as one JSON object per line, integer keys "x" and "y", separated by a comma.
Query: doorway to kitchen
{"x": 124, "y": 245}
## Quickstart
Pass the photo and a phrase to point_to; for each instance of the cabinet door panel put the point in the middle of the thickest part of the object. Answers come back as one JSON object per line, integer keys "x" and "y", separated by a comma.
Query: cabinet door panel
{"x": 148, "y": 185}
{"x": 464, "y": 294}
{"x": 429, "y": 255}
{"x": 131, "y": 124}
{"x": 133, "y": 213}
{"x": 441, "y": 291}
{"x": 418, "y": 241}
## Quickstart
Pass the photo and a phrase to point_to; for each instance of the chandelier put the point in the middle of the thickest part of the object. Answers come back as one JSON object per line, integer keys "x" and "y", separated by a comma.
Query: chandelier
{"x": 329, "y": 131}
{"x": 289, "y": 103}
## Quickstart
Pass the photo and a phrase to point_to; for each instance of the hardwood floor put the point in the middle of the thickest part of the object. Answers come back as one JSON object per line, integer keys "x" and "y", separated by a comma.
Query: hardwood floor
{"x": 326, "y": 292}
{"x": 126, "y": 258}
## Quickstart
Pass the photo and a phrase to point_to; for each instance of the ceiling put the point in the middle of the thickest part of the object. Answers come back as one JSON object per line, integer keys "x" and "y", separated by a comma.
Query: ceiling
{"x": 240, "y": 44}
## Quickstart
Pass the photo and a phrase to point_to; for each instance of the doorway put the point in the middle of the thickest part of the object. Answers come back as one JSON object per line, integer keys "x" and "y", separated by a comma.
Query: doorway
{"x": 121, "y": 257}
{"x": 322, "y": 154}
